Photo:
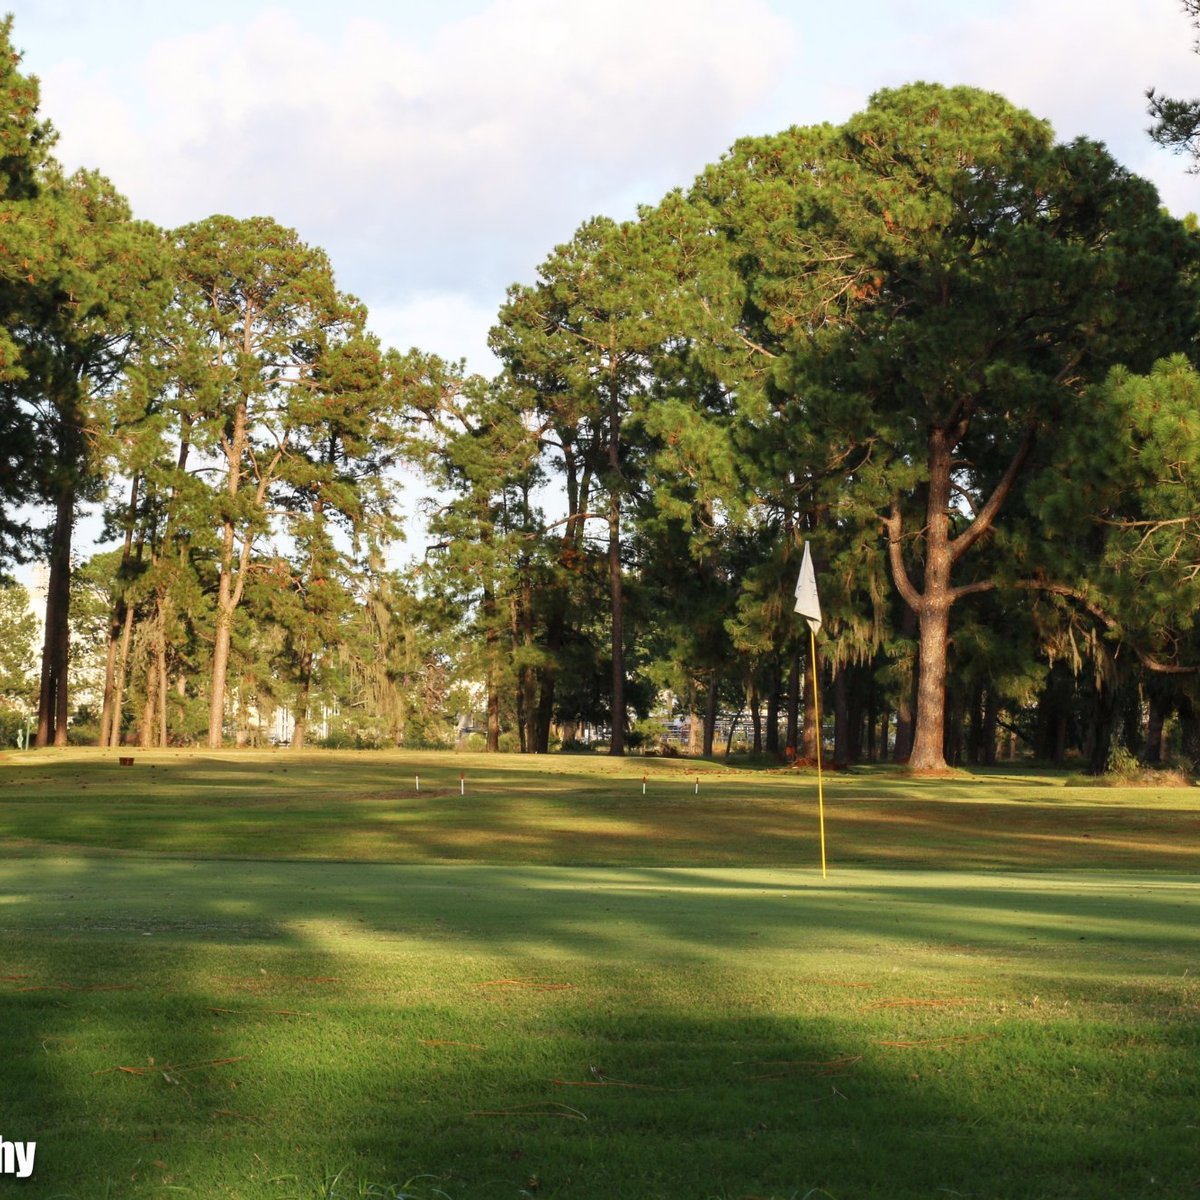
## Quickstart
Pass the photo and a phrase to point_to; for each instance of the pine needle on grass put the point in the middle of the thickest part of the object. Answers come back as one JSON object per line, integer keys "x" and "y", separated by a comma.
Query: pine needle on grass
{"x": 933, "y": 1043}
{"x": 531, "y": 1110}
{"x": 528, "y": 983}
{"x": 908, "y": 1002}
{"x": 154, "y": 1069}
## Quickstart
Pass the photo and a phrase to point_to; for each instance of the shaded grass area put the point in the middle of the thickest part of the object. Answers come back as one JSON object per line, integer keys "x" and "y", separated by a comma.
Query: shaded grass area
{"x": 302, "y": 976}
{"x": 256, "y": 1030}
{"x": 569, "y": 810}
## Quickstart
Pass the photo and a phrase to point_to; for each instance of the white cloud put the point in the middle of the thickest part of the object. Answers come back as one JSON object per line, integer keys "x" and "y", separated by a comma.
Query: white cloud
{"x": 460, "y": 159}
{"x": 1085, "y": 65}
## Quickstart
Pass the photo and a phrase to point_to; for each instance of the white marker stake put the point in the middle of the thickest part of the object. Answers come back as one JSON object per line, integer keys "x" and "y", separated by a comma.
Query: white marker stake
{"x": 643, "y": 785}
{"x": 697, "y": 785}
{"x": 418, "y": 778}
{"x": 462, "y": 783}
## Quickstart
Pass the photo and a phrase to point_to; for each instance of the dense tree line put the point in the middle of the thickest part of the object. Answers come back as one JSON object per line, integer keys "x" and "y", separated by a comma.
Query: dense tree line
{"x": 949, "y": 352}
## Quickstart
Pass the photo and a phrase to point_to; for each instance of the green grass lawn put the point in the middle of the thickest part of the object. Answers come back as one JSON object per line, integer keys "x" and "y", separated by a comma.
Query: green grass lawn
{"x": 274, "y": 976}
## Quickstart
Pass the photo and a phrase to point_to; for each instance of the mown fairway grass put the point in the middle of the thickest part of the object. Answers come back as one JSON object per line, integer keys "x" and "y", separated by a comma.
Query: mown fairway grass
{"x": 275, "y": 976}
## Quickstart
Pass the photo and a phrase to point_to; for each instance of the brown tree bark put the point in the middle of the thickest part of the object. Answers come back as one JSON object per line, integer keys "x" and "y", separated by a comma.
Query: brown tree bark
{"x": 710, "y": 713}
{"x": 810, "y": 728}
{"x": 932, "y": 604}
{"x": 53, "y": 708}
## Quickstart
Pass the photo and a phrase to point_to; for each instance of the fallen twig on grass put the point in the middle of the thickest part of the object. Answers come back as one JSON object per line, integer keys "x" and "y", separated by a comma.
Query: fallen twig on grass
{"x": 259, "y": 1012}
{"x": 527, "y": 1110}
{"x": 906, "y": 1002}
{"x": 617, "y": 1083}
{"x": 87, "y": 987}
{"x": 154, "y": 1069}
{"x": 938, "y": 1041}
{"x": 528, "y": 983}
{"x": 833, "y": 1066}
{"x": 442, "y": 1042}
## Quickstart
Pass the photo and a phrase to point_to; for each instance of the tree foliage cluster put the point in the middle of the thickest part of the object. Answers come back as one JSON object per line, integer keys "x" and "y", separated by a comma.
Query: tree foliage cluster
{"x": 947, "y": 350}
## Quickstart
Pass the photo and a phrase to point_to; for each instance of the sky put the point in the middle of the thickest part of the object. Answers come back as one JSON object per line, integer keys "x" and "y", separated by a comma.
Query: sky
{"x": 439, "y": 152}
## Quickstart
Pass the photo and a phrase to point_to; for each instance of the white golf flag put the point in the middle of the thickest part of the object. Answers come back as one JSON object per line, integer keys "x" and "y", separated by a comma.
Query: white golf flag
{"x": 808, "y": 605}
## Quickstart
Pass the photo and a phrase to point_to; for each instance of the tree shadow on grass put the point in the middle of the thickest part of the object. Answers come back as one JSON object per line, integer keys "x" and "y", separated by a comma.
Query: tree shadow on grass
{"x": 251, "y": 1029}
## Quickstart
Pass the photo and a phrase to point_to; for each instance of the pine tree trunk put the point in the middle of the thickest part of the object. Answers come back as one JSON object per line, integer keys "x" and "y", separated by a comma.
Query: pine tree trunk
{"x": 695, "y": 723}
{"x": 991, "y": 725}
{"x": 220, "y": 672}
{"x": 163, "y": 680}
{"x": 841, "y": 715}
{"x": 1104, "y": 712}
{"x": 303, "y": 694}
{"x": 928, "y": 752}
{"x": 146, "y": 728}
{"x": 110, "y": 673}
{"x": 710, "y": 714}
{"x": 871, "y": 717}
{"x": 116, "y": 624}
{"x": 773, "y": 685}
{"x": 118, "y": 697}
{"x": 810, "y": 731}
{"x": 493, "y": 716}
{"x": 907, "y": 696}
{"x": 491, "y": 639}
{"x": 615, "y": 576}
{"x": 793, "y": 706}
{"x": 52, "y": 697}
{"x": 616, "y": 591}
{"x": 1152, "y": 752}
{"x": 548, "y": 680}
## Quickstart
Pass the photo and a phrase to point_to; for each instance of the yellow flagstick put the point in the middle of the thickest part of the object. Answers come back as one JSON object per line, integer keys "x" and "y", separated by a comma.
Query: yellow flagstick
{"x": 817, "y": 716}
{"x": 808, "y": 605}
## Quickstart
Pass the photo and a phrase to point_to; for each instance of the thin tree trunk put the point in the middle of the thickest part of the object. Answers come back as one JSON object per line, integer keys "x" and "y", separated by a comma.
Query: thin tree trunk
{"x": 616, "y": 590}
{"x": 732, "y": 727}
{"x": 1104, "y": 712}
{"x": 117, "y": 621}
{"x": 841, "y": 714}
{"x": 871, "y": 717}
{"x": 710, "y": 713}
{"x": 906, "y": 698}
{"x": 793, "y": 706}
{"x": 774, "y": 682}
{"x": 810, "y": 731}
{"x": 163, "y": 680}
{"x": 615, "y": 576}
{"x": 229, "y": 591}
{"x": 991, "y": 725}
{"x": 146, "y": 728}
{"x": 118, "y": 696}
{"x": 695, "y": 722}
{"x": 303, "y": 694}
{"x": 52, "y": 696}
{"x": 220, "y": 669}
{"x": 110, "y": 671}
{"x": 1152, "y": 752}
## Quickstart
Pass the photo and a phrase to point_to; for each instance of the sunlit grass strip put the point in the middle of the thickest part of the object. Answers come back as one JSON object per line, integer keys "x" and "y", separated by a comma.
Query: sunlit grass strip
{"x": 576, "y": 810}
